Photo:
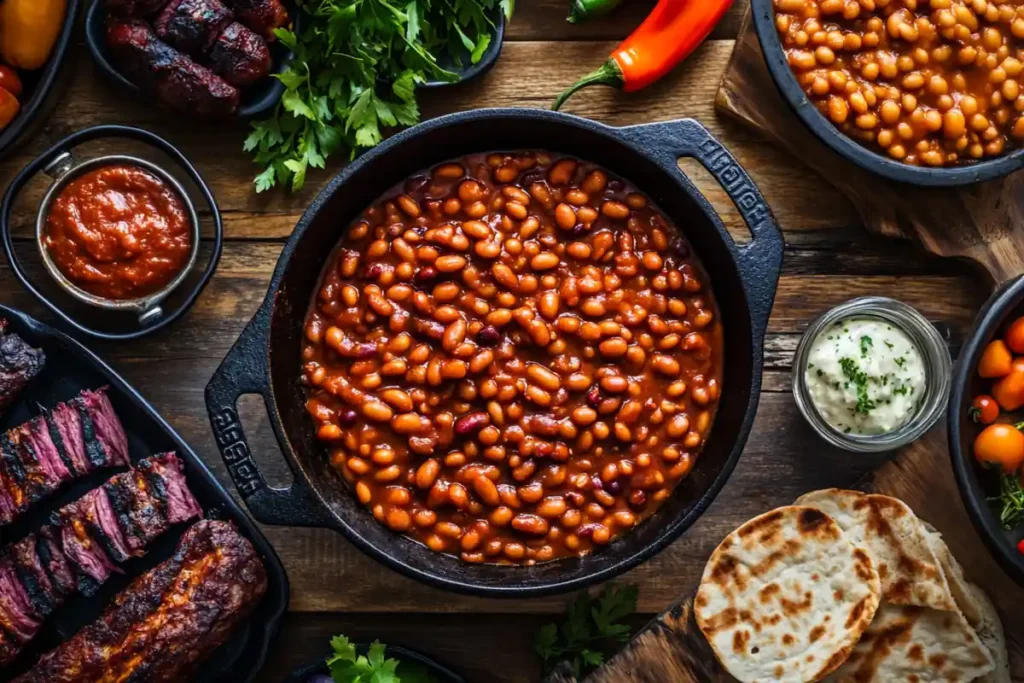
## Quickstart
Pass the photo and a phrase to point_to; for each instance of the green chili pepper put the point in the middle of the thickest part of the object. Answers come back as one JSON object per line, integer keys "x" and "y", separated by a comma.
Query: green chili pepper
{"x": 581, "y": 10}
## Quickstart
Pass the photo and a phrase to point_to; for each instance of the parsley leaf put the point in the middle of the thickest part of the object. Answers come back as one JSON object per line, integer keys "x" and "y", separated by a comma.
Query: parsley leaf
{"x": 865, "y": 345}
{"x": 357, "y": 64}
{"x": 590, "y": 630}
{"x": 347, "y": 666}
{"x": 860, "y": 380}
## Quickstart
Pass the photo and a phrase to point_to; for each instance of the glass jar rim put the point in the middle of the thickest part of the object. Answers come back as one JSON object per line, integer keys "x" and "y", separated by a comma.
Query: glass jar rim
{"x": 938, "y": 373}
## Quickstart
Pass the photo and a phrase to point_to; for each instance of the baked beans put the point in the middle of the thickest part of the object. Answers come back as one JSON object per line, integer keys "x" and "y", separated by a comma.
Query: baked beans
{"x": 929, "y": 82}
{"x": 513, "y": 358}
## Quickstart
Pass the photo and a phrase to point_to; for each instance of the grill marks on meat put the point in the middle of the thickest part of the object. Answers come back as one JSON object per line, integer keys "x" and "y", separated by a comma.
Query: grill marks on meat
{"x": 240, "y": 56}
{"x": 192, "y": 26}
{"x": 262, "y": 16}
{"x": 172, "y": 77}
{"x": 77, "y": 552}
{"x": 19, "y": 364}
{"x": 73, "y": 439}
{"x": 168, "y": 620}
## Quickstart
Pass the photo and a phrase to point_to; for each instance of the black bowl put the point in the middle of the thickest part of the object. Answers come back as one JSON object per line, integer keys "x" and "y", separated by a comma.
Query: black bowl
{"x": 40, "y": 96}
{"x": 977, "y": 485}
{"x": 442, "y": 673}
{"x": 764, "y": 22}
{"x": 257, "y": 99}
{"x": 266, "y": 359}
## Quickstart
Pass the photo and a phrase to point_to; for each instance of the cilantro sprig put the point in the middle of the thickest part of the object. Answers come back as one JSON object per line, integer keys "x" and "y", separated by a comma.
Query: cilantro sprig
{"x": 347, "y": 666}
{"x": 357, "y": 64}
{"x": 1010, "y": 501}
{"x": 591, "y": 630}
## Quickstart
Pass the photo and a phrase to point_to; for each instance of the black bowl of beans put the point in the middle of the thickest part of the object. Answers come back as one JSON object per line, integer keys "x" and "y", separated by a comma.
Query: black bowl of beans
{"x": 530, "y": 364}
{"x": 916, "y": 92}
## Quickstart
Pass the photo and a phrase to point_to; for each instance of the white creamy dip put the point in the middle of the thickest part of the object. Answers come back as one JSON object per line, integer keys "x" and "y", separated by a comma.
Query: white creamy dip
{"x": 865, "y": 376}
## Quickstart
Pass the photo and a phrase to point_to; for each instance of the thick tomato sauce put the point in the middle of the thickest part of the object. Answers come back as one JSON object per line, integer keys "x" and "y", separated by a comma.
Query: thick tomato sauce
{"x": 119, "y": 232}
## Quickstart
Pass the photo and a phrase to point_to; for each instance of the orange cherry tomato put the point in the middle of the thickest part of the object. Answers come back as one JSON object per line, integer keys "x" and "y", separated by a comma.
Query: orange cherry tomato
{"x": 9, "y": 80}
{"x": 984, "y": 409}
{"x": 1000, "y": 444}
{"x": 1018, "y": 363}
{"x": 9, "y": 107}
{"x": 1009, "y": 391}
{"x": 1015, "y": 335}
{"x": 996, "y": 360}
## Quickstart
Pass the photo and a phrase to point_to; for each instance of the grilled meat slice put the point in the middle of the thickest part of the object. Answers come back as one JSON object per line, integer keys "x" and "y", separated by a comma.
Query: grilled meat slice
{"x": 240, "y": 56}
{"x": 134, "y": 8}
{"x": 25, "y": 483}
{"x": 165, "y": 476}
{"x": 17, "y": 615}
{"x": 36, "y": 450}
{"x": 173, "y": 78}
{"x": 85, "y": 552}
{"x": 101, "y": 521}
{"x": 192, "y": 26}
{"x": 168, "y": 620}
{"x": 32, "y": 574}
{"x": 105, "y": 426}
{"x": 58, "y": 568}
{"x": 66, "y": 433}
{"x": 19, "y": 364}
{"x": 262, "y": 16}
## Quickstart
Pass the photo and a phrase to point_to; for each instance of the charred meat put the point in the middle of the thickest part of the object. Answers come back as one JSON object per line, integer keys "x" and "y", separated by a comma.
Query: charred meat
{"x": 75, "y": 438}
{"x": 168, "y": 620}
{"x": 262, "y": 16}
{"x": 240, "y": 56}
{"x": 19, "y": 364}
{"x": 192, "y": 26}
{"x": 170, "y": 76}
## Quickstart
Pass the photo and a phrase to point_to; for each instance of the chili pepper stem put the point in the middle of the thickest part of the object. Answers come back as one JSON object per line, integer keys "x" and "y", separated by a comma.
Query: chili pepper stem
{"x": 609, "y": 74}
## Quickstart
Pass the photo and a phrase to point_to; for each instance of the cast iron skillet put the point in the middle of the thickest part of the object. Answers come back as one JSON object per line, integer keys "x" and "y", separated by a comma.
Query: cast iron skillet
{"x": 70, "y": 367}
{"x": 40, "y": 94}
{"x": 976, "y": 485}
{"x": 771, "y": 46}
{"x": 266, "y": 358}
{"x": 441, "y": 673}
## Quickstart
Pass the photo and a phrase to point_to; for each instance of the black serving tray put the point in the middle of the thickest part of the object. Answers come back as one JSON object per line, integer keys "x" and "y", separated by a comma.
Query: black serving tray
{"x": 41, "y": 88}
{"x": 70, "y": 367}
{"x": 440, "y": 672}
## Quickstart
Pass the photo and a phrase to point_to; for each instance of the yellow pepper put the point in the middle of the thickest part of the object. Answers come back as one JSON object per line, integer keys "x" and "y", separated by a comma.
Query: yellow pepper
{"x": 28, "y": 30}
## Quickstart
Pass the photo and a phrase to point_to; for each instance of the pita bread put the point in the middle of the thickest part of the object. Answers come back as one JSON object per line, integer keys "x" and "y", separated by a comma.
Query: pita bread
{"x": 895, "y": 539}
{"x": 786, "y": 597}
{"x": 916, "y": 644}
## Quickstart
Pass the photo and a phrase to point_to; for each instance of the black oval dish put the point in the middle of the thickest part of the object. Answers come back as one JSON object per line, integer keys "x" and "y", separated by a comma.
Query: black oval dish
{"x": 487, "y": 61}
{"x": 441, "y": 673}
{"x": 256, "y": 100}
{"x": 124, "y": 326}
{"x": 266, "y": 358}
{"x": 70, "y": 367}
{"x": 39, "y": 88}
{"x": 771, "y": 46}
{"x": 976, "y": 485}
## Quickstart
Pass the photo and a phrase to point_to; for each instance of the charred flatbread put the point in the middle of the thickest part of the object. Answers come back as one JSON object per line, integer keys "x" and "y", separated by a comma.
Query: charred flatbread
{"x": 786, "y": 597}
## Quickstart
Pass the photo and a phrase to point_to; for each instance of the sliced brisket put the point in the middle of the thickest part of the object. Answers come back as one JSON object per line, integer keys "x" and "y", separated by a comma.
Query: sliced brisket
{"x": 19, "y": 364}
{"x": 66, "y": 434}
{"x": 17, "y": 615}
{"x": 166, "y": 478}
{"x": 33, "y": 577}
{"x": 106, "y": 426}
{"x": 168, "y": 620}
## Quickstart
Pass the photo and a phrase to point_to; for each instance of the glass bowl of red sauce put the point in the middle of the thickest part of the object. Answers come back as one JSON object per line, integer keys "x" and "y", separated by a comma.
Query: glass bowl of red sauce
{"x": 117, "y": 232}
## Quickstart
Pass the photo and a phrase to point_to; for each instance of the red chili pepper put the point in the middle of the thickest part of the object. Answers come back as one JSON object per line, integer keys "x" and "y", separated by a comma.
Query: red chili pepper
{"x": 673, "y": 30}
{"x": 1020, "y": 547}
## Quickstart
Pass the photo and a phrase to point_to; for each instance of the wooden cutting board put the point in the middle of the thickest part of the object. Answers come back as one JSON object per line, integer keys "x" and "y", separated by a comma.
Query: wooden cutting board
{"x": 984, "y": 224}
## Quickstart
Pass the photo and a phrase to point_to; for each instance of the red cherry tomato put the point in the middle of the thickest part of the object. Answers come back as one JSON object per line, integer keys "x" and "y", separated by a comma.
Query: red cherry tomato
{"x": 9, "y": 80}
{"x": 1020, "y": 547}
{"x": 9, "y": 107}
{"x": 1015, "y": 335}
{"x": 984, "y": 409}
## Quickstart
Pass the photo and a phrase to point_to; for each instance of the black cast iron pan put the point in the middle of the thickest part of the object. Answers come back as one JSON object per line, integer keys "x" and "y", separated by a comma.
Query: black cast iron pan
{"x": 764, "y": 23}
{"x": 977, "y": 485}
{"x": 439, "y": 672}
{"x": 70, "y": 367}
{"x": 266, "y": 358}
{"x": 42, "y": 88}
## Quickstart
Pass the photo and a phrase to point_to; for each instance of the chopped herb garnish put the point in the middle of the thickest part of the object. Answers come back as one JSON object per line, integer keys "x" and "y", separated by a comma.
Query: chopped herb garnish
{"x": 865, "y": 345}
{"x": 900, "y": 361}
{"x": 1010, "y": 501}
{"x": 860, "y": 379}
{"x": 900, "y": 391}
{"x": 819, "y": 373}
{"x": 888, "y": 344}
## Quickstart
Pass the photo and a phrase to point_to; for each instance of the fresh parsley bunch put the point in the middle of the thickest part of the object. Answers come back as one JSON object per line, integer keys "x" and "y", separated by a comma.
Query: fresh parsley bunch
{"x": 348, "y": 667}
{"x": 356, "y": 67}
{"x": 589, "y": 632}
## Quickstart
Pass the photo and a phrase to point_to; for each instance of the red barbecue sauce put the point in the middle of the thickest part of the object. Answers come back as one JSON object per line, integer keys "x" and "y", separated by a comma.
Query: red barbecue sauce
{"x": 119, "y": 232}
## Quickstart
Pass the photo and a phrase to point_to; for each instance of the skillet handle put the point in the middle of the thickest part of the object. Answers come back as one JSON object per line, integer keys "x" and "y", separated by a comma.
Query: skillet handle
{"x": 244, "y": 371}
{"x": 760, "y": 261}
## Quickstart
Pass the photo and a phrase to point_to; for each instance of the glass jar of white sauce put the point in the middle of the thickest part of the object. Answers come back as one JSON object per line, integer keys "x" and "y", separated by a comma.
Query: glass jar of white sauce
{"x": 871, "y": 375}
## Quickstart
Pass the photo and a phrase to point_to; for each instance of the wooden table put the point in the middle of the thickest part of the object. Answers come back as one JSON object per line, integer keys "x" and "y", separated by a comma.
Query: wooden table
{"x": 335, "y": 588}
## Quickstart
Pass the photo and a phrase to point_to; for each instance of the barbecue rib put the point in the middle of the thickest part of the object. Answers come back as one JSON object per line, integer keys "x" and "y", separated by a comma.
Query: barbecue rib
{"x": 168, "y": 620}
{"x": 172, "y": 77}
{"x": 192, "y": 26}
{"x": 134, "y": 8}
{"x": 19, "y": 364}
{"x": 73, "y": 439}
{"x": 239, "y": 56}
{"x": 262, "y": 16}
{"x": 76, "y": 552}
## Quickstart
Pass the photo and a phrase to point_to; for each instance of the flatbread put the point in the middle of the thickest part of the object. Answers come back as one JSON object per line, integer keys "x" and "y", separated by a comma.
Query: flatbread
{"x": 916, "y": 644}
{"x": 897, "y": 542}
{"x": 786, "y": 597}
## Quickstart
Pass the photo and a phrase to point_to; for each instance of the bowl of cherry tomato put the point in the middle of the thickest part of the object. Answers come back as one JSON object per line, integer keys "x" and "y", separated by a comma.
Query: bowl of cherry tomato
{"x": 985, "y": 421}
